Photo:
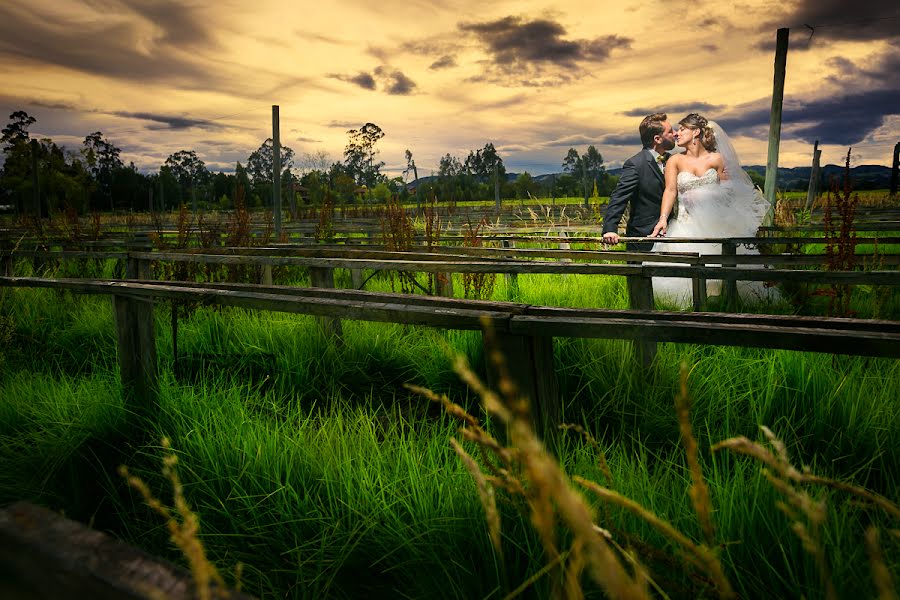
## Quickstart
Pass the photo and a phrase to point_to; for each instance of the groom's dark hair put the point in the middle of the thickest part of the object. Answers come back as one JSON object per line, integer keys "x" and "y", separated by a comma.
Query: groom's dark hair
{"x": 651, "y": 126}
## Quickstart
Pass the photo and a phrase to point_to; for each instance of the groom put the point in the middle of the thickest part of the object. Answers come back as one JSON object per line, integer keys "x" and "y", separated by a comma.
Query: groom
{"x": 641, "y": 185}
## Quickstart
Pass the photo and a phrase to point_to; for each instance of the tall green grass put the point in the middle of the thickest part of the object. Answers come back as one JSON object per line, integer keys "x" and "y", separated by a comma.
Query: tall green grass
{"x": 311, "y": 463}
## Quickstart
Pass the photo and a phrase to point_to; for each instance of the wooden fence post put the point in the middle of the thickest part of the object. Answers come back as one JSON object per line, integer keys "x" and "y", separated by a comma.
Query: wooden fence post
{"x": 138, "y": 268}
{"x": 698, "y": 287}
{"x": 895, "y": 169}
{"x": 266, "y": 275}
{"x": 528, "y": 362}
{"x": 813, "y": 190}
{"x": 356, "y": 279}
{"x": 323, "y": 277}
{"x": 640, "y": 297}
{"x": 512, "y": 279}
{"x": 137, "y": 353}
{"x": 6, "y": 265}
{"x": 443, "y": 284}
{"x": 781, "y": 49}
{"x": 729, "y": 286}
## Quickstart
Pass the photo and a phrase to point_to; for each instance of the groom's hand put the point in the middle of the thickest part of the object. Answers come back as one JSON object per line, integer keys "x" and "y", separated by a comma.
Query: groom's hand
{"x": 660, "y": 229}
{"x": 611, "y": 237}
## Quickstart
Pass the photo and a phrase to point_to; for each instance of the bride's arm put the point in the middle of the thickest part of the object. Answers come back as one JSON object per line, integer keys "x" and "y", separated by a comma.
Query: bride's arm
{"x": 668, "y": 199}
{"x": 719, "y": 163}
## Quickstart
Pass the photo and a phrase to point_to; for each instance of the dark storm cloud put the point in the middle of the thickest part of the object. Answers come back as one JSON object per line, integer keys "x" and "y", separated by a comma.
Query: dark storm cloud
{"x": 512, "y": 41}
{"x": 54, "y": 105}
{"x": 362, "y": 79}
{"x": 169, "y": 121}
{"x": 842, "y": 119}
{"x": 395, "y": 82}
{"x": 536, "y": 53}
{"x": 860, "y": 20}
{"x": 863, "y": 96}
{"x": 392, "y": 81}
{"x": 674, "y": 111}
{"x": 444, "y": 62}
{"x": 618, "y": 139}
{"x": 115, "y": 43}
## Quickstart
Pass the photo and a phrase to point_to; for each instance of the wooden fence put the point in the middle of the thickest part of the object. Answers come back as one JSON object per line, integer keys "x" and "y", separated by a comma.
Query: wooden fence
{"x": 523, "y": 333}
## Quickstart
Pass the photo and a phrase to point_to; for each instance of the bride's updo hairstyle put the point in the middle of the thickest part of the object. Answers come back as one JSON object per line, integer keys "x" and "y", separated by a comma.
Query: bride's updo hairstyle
{"x": 707, "y": 137}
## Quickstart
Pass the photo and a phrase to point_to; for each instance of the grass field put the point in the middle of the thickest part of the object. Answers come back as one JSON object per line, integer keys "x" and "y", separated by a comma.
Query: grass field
{"x": 313, "y": 466}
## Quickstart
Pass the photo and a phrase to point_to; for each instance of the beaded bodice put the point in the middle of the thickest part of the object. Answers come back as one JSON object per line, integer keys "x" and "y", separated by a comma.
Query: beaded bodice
{"x": 688, "y": 181}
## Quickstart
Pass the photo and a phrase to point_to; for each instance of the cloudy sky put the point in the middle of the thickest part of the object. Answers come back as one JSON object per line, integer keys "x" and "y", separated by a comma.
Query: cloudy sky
{"x": 532, "y": 76}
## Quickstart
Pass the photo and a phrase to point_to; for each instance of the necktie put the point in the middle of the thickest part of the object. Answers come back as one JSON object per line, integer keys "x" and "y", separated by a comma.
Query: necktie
{"x": 662, "y": 158}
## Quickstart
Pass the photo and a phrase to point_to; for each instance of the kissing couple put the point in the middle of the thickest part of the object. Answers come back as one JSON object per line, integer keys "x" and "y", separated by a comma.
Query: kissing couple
{"x": 715, "y": 196}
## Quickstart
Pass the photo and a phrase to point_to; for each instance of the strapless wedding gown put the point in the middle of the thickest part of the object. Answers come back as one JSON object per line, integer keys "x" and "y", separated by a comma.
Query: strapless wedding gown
{"x": 709, "y": 208}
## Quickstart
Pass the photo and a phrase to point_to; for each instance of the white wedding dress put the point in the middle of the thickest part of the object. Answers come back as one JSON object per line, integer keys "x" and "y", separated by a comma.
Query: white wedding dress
{"x": 710, "y": 208}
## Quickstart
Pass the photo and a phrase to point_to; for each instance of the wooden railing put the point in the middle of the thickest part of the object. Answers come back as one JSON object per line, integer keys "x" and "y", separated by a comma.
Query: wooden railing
{"x": 522, "y": 332}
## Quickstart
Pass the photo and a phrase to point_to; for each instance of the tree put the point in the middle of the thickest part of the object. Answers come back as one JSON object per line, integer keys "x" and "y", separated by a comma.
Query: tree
{"x": 481, "y": 163}
{"x": 18, "y": 165}
{"x": 588, "y": 168}
{"x": 16, "y": 131}
{"x": 314, "y": 161}
{"x": 359, "y": 155}
{"x": 190, "y": 172}
{"x": 261, "y": 161}
{"x": 572, "y": 162}
{"x": 104, "y": 163}
{"x": 410, "y": 166}
{"x": 526, "y": 186}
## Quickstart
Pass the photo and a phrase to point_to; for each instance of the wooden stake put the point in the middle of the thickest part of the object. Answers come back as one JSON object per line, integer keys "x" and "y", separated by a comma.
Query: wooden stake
{"x": 137, "y": 354}
{"x": 640, "y": 297}
{"x": 813, "y": 177}
{"x": 781, "y": 48}
{"x": 323, "y": 277}
{"x": 894, "y": 168}
{"x": 276, "y": 171}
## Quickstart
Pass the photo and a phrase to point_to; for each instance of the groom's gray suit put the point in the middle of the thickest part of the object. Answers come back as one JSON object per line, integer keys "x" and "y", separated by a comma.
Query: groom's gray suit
{"x": 641, "y": 187}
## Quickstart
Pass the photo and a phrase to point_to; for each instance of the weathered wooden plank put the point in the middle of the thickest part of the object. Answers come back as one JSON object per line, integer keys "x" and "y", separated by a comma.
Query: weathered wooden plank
{"x": 55, "y": 557}
{"x": 640, "y": 297}
{"x": 527, "y": 361}
{"x": 137, "y": 353}
{"x": 856, "y": 343}
{"x": 846, "y": 336}
{"x": 324, "y": 278}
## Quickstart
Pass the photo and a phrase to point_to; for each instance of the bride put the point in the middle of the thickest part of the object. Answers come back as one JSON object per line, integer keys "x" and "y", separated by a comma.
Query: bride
{"x": 716, "y": 199}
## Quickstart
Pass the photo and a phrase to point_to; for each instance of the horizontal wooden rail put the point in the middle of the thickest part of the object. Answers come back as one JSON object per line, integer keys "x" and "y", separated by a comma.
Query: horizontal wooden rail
{"x": 816, "y": 334}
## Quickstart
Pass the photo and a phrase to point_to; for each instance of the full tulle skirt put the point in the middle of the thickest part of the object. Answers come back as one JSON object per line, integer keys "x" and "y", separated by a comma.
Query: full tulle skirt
{"x": 711, "y": 211}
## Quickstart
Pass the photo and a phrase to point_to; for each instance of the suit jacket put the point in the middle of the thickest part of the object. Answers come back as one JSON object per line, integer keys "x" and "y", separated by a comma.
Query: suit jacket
{"x": 641, "y": 187}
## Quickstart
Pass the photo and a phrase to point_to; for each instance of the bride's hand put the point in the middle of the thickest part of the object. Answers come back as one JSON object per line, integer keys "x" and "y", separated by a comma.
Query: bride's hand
{"x": 660, "y": 229}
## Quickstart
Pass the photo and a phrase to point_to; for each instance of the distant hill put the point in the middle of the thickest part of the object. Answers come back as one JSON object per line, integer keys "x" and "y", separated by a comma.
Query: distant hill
{"x": 864, "y": 177}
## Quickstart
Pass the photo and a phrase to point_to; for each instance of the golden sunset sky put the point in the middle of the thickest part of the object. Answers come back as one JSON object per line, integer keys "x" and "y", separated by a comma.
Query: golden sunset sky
{"x": 533, "y": 77}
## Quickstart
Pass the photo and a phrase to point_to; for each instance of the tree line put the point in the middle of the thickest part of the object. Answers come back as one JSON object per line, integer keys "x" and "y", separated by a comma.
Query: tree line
{"x": 40, "y": 177}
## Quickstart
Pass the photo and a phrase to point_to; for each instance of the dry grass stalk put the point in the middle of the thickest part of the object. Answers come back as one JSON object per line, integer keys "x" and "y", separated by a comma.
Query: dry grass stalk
{"x": 699, "y": 491}
{"x": 700, "y": 556}
{"x": 551, "y": 493}
{"x": 601, "y": 456}
{"x": 548, "y": 493}
{"x": 183, "y": 529}
{"x": 806, "y": 514}
{"x": 742, "y": 445}
{"x": 485, "y": 494}
{"x": 881, "y": 575}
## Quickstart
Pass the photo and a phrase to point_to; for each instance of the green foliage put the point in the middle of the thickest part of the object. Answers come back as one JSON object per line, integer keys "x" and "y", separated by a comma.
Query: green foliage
{"x": 360, "y": 153}
{"x": 309, "y": 462}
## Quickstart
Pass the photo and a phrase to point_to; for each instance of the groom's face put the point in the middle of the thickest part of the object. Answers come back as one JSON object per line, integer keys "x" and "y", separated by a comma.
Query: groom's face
{"x": 667, "y": 139}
